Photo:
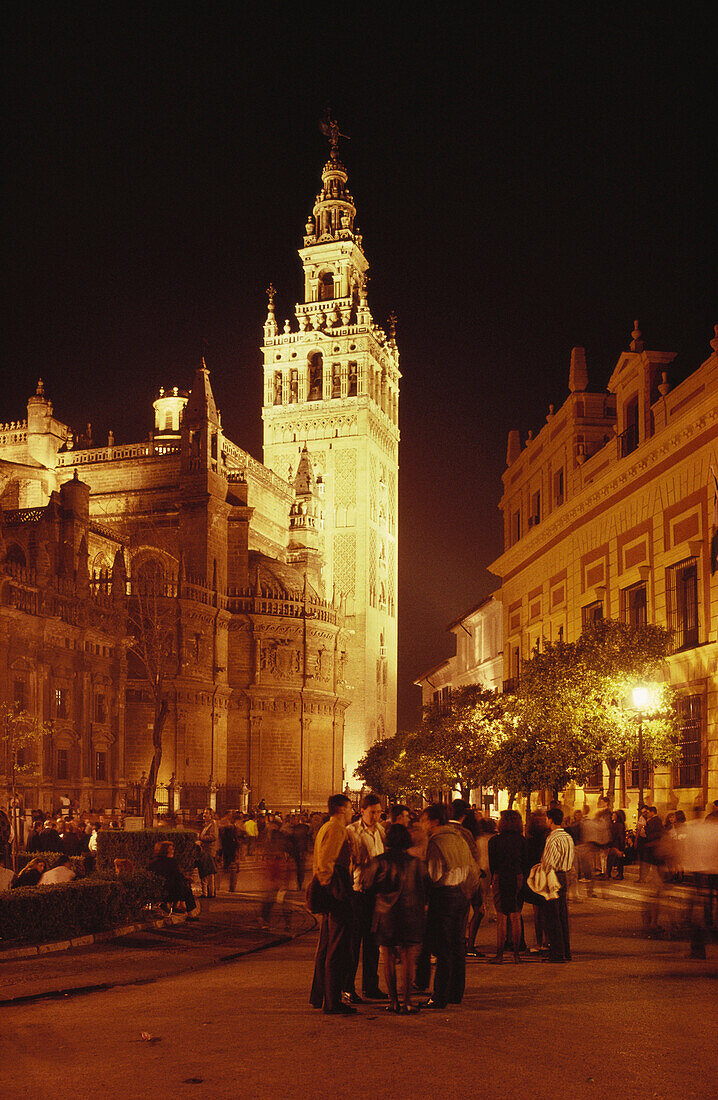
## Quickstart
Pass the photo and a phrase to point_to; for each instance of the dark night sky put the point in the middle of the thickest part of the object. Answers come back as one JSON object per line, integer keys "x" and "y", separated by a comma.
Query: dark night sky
{"x": 524, "y": 182}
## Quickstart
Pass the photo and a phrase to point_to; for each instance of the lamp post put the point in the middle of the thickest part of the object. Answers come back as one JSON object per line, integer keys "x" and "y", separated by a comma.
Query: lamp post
{"x": 640, "y": 702}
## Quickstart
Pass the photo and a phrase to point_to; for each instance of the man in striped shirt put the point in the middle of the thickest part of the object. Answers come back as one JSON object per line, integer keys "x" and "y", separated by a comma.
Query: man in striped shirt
{"x": 558, "y": 856}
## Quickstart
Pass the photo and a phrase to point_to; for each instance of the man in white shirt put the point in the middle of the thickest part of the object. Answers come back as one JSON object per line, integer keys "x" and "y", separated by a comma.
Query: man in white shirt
{"x": 61, "y": 872}
{"x": 367, "y": 840}
{"x": 558, "y": 855}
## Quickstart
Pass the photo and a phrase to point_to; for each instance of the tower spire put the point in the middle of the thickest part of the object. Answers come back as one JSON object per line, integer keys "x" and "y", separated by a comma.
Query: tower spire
{"x": 330, "y": 128}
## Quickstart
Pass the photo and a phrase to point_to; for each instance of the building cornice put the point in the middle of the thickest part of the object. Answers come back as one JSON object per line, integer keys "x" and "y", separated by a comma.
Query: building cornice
{"x": 663, "y": 449}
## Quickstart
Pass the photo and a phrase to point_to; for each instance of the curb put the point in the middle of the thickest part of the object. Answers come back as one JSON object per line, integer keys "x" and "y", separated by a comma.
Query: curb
{"x": 32, "y": 950}
{"x": 177, "y": 918}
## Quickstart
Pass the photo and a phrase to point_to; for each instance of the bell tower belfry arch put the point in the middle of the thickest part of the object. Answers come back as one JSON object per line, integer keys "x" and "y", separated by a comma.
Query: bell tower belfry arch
{"x": 331, "y": 384}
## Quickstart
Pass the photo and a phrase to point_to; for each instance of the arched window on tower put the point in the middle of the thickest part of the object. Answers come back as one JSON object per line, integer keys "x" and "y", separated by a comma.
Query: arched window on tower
{"x": 316, "y": 377}
{"x": 168, "y": 422}
{"x": 326, "y": 286}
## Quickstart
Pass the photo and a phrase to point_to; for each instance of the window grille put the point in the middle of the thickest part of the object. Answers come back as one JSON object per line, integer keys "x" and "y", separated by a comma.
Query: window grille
{"x": 634, "y": 605}
{"x": 591, "y": 613}
{"x": 687, "y": 772}
{"x": 62, "y": 764}
{"x": 101, "y": 766}
{"x": 632, "y": 774}
{"x": 595, "y": 778}
{"x": 683, "y": 603}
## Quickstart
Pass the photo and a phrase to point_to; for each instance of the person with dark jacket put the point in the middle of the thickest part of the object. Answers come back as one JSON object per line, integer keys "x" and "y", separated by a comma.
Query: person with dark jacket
{"x": 463, "y": 819}
{"x": 395, "y": 880}
{"x": 31, "y": 873}
{"x": 176, "y": 887}
{"x": 535, "y": 841}
{"x": 507, "y": 862}
{"x": 50, "y": 839}
{"x": 452, "y": 877}
{"x": 34, "y": 841}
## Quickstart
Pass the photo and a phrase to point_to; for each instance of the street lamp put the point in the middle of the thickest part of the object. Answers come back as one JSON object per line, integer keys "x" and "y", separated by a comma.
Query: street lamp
{"x": 641, "y": 698}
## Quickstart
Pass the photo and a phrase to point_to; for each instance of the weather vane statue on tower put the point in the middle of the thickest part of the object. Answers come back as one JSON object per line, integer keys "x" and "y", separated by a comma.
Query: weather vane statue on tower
{"x": 330, "y": 128}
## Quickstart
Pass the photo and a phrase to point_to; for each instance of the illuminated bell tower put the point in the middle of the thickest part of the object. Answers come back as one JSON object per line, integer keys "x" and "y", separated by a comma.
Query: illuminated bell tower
{"x": 331, "y": 384}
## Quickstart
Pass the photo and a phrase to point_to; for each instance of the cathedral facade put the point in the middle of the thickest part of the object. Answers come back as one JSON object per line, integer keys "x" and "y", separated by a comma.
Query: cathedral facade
{"x": 250, "y": 608}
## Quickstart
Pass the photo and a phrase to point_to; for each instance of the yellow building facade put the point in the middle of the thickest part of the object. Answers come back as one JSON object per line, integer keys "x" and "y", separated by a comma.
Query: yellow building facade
{"x": 609, "y": 511}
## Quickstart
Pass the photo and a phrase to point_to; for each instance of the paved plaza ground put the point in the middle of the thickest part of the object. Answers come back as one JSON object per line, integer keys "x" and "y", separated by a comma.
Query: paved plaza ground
{"x": 629, "y": 1017}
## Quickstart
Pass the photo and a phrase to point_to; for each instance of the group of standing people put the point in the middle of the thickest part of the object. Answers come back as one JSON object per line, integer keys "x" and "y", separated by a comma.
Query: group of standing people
{"x": 400, "y": 899}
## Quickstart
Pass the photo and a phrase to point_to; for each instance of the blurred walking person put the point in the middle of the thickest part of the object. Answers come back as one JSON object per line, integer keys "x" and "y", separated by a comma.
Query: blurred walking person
{"x": 229, "y": 848}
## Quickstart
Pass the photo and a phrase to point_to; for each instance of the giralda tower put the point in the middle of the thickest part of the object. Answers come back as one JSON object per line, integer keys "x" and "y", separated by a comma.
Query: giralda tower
{"x": 331, "y": 384}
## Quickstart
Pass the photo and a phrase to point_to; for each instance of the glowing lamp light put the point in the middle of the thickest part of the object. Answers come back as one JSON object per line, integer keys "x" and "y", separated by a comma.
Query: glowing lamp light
{"x": 641, "y": 697}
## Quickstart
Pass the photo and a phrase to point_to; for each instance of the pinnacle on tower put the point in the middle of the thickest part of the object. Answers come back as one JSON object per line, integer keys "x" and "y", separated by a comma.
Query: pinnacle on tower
{"x": 305, "y": 483}
{"x": 201, "y": 405}
{"x": 513, "y": 447}
{"x": 270, "y": 325}
{"x": 578, "y": 374}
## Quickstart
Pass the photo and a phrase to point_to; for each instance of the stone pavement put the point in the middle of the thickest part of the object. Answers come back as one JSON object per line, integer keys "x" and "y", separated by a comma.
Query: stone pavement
{"x": 628, "y": 1018}
{"x": 229, "y": 926}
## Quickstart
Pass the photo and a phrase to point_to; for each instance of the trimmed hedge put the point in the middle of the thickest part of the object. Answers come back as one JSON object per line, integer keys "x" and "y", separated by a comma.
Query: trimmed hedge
{"x": 78, "y": 863}
{"x": 64, "y": 910}
{"x": 139, "y": 847}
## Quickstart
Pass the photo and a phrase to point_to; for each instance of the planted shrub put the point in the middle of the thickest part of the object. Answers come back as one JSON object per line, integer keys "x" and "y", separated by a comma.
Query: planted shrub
{"x": 139, "y": 847}
{"x": 81, "y": 865}
{"x": 64, "y": 910}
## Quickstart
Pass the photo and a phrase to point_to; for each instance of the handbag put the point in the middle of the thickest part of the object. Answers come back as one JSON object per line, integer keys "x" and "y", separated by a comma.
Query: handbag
{"x": 318, "y": 897}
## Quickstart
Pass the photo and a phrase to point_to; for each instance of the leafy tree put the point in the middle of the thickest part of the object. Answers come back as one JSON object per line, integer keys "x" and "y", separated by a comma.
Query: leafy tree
{"x": 615, "y": 657}
{"x": 375, "y": 767}
{"x": 457, "y": 737}
{"x": 19, "y": 733}
{"x": 571, "y": 710}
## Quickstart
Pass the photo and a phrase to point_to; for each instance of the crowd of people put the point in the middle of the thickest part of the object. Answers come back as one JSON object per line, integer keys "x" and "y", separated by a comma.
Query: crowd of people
{"x": 400, "y": 888}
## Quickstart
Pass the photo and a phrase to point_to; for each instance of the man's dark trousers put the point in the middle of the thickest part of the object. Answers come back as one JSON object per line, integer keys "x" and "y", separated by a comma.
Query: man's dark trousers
{"x": 363, "y": 911}
{"x": 556, "y": 914}
{"x": 446, "y": 918}
{"x": 332, "y": 958}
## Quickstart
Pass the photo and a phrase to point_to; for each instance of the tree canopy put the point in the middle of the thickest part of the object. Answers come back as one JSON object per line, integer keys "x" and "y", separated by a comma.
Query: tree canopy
{"x": 572, "y": 711}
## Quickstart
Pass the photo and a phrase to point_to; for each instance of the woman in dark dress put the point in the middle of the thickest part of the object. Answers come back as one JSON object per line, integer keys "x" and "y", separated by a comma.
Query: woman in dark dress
{"x": 507, "y": 860}
{"x": 396, "y": 880}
